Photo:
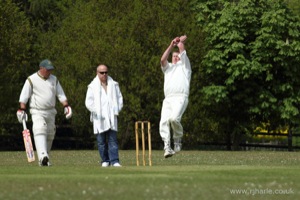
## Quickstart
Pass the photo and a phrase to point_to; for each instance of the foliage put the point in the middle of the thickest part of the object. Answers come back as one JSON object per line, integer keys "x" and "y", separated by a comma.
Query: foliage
{"x": 249, "y": 72}
{"x": 15, "y": 45}
{"x": 128, "y": 36}
{"x": 294, "y": 6}
{"x": 251, "y": 63}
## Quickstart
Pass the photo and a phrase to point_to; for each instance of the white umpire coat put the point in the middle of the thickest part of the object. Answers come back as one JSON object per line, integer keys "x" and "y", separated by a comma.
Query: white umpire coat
{"x": 104, "y": 107}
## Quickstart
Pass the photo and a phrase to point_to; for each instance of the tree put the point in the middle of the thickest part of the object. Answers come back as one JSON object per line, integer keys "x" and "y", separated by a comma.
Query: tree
{"x": 251, "y": 65}
{"x": 294, "y": 5}
{"x": 128, "y": 36}
{"x": 15, "y": 45}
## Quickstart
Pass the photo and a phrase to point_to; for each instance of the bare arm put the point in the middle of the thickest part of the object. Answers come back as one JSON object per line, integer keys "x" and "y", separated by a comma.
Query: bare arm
{"x": 164, "y": 58}
{"x": 23, "y": 106}
{"x": 181, "y": 43}
{"x": 65, "y": 103}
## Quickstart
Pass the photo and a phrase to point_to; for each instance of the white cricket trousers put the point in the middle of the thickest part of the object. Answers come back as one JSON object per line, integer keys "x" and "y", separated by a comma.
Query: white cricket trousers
{"x": 43, "y": 131}
{"x": 172, "y": 110}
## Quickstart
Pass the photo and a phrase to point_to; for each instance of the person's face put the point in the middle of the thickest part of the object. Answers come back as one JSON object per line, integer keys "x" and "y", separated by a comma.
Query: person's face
{"x": 44, "y": 72}
{"x": 175, "y": 57}
{"x": 102, "y": 72}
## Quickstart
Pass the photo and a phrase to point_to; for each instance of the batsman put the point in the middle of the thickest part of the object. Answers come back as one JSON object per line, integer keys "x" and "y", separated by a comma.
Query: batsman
{"x": 40, "y": 91}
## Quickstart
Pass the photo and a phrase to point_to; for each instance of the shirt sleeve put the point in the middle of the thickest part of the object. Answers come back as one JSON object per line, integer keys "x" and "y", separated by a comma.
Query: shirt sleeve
{"x": 164, "y": 68}
{"x": 119, "y": 97}
{"x": 60, "y": 93}
{"x": 89, "y": 100}
{"x": 185, "y": 60}
{"x": 25, "y": 93}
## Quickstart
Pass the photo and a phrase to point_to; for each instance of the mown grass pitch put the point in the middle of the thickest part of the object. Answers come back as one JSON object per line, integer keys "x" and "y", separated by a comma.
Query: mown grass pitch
{"x": 187, "y": 175}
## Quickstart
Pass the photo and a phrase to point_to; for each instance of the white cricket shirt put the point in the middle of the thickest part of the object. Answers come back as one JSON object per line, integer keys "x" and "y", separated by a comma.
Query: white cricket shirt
{"x": 177, "y": 76}
{"x": 42, "y": 93}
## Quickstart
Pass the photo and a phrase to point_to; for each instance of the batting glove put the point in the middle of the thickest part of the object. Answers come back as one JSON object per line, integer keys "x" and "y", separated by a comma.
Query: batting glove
{"x": 21, "y": 114}
{"x": 68, "y": 112}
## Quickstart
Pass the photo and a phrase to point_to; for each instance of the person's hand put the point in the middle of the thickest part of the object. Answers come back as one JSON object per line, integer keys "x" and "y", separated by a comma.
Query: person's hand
{"x": 21, "y": 114}
{"x": 68, "y": 112}
{"x": 175, "y": 41}
{"x": 183, "y": 38}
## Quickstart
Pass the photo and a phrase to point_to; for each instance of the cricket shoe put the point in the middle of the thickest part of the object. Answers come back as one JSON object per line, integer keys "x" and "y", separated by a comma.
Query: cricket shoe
{"x": 105, "y": 164}
{"x": 168, "y": 152}
{"x": 44, "y": 161}
{"x": 177, "y": 144}
{"x": 117, "y": 165}
{"x": 177, "y": 147}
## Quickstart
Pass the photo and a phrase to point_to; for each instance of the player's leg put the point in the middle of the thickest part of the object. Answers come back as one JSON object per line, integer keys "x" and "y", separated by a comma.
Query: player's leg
{"x": 179, "y": 105}
{"x": 164, "y": 128}
{"x": 51, "y": 130}
{"x": 39, "y": 129}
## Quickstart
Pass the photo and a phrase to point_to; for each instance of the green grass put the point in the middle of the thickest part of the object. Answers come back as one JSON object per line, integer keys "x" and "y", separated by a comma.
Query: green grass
{"x": 187, "y": 175}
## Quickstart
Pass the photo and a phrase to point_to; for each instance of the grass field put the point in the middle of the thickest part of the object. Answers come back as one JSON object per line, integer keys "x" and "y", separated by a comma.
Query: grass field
{"x": 187, "y": 175}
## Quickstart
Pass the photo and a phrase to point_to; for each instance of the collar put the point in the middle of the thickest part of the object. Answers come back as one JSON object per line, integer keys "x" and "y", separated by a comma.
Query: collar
{"x": 40, "y": 75}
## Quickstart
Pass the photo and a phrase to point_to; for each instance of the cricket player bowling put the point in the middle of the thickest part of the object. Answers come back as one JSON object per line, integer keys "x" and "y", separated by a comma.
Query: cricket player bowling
{"x": 177, "y": 77}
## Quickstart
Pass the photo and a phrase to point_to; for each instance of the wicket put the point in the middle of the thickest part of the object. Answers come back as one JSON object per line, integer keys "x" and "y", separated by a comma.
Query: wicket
{"x": 140, "y": 127}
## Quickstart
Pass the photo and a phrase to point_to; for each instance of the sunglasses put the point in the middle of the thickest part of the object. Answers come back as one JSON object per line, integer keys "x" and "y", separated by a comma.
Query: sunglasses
{"x": 103, "y": 73}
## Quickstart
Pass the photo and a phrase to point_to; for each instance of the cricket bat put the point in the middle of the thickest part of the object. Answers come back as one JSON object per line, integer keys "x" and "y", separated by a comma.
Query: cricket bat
{"x": 28, "y": 143}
